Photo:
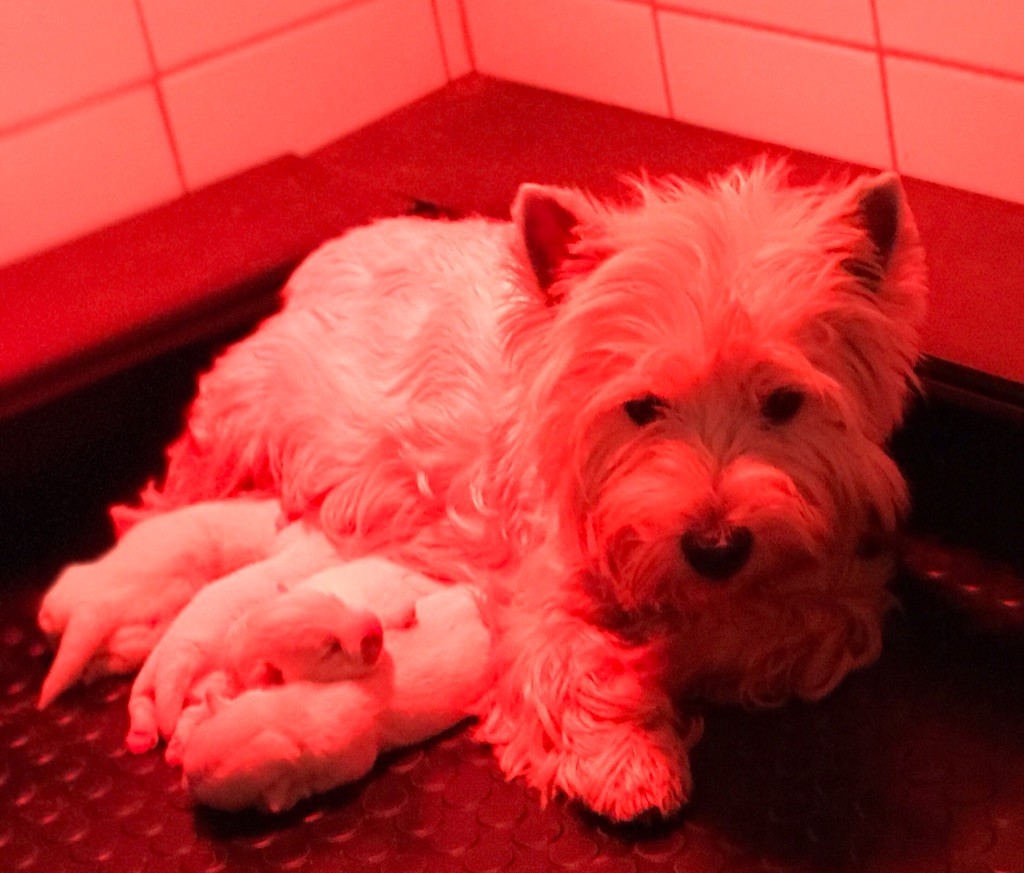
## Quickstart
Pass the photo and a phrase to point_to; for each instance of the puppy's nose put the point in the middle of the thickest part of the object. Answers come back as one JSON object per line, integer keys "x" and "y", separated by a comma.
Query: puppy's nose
{"x": 717, "y": 553}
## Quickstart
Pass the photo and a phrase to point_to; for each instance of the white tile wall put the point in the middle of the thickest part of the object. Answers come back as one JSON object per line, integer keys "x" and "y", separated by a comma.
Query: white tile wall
{"x": 70, "y": 175}
{"x": 601, "y": 49}
{"x": 959, "y": 127}
{"x": 302, "y": 88}
{"x": 843, "y": 20}
{"x": 803, "y": 93}
{"x": 184, "y": 30}
{"x": 803, "y": 73}
{"x": 176, "y": 91}
{"x": 216, "y": 85}
{"x": 987, "y": 34}
{"x": 46, "y": 64}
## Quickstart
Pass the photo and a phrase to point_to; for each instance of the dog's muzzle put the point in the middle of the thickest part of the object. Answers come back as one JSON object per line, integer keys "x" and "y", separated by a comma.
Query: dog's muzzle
{"x": 717, "y": 553}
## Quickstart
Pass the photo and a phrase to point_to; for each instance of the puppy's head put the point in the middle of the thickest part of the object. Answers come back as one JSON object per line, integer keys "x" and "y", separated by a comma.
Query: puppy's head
{"x": 714, "y": 373}
{"x": 303, "y": 635}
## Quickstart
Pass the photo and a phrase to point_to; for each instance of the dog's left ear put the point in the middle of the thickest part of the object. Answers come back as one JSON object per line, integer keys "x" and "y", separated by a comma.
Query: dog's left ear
{"x": 883, "y": 214}
{"x": 548, "y": 219}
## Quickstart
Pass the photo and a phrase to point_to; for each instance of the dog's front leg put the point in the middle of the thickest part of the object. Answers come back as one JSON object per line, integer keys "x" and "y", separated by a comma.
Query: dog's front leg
{"x": 578, "y": 711}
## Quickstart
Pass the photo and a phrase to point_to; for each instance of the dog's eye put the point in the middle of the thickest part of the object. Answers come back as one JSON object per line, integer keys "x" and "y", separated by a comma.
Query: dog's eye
{"x": 781, "y": 405}
{"x": 643, "y": 410}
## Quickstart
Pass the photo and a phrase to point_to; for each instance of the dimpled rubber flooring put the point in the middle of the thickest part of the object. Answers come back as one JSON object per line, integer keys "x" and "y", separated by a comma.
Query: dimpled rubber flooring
{"x": 916, "y": 764}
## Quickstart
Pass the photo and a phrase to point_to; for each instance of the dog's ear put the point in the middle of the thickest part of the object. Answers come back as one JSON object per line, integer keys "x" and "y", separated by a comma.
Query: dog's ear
{"x": 888, "y": 225}
{"x": 548, "y": 219}
{"x": 877, "y": 327}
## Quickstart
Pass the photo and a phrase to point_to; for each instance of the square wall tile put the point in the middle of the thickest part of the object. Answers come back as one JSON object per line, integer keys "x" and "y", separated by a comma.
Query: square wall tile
{"x": 988, "y": 35}
{"x": 846, "y": 20}
{"x": 54, "y": 53}
{"x": 183, "y": 30}
{"x": 796, "y": 92}
{"x": 84, "y": 170}
{"x": 605, "y": 50}
{"x": 450, "y": 23}
{"x": 298, "y": 91}
{"x": 959, "y": 128}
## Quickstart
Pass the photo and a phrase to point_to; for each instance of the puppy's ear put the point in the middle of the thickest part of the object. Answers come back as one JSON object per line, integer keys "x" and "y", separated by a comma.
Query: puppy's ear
{"x": 883, "y": 214}
{"x": 548, "y": 219}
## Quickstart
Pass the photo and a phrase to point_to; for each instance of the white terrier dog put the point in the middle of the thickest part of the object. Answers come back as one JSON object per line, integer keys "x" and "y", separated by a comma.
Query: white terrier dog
{"x": 653, "y": 433}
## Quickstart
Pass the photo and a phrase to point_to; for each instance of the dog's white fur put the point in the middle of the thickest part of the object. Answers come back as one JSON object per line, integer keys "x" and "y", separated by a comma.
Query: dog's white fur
{"x": 453, "y": 395}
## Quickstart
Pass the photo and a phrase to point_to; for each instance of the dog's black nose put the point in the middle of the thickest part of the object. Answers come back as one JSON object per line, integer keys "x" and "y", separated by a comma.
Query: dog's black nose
{"x": 717, "y": 553}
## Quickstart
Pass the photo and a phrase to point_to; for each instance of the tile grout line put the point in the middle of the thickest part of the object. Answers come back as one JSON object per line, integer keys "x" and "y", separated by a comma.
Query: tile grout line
{"x": 224, "y": 51}
{"x": 663, "y": 63}
{"x": 672, "y": 7}
{"x": 955, "y": 65}
{"x": 440, "y": 40}
{"x": 263, "y": 36}
{"x": 884, "y": 82}
{"x": 778, "y": 30}
{"x": 172, "y": 141}
{"x": 80, "y": 104}
{"x": 74, "y": 106}
{"x": 464, "y": 21}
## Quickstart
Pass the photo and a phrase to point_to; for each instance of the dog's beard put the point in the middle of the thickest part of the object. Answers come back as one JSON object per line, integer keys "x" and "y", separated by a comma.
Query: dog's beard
{"x": 797, "y": 616}
{"x": 643, "y": 505}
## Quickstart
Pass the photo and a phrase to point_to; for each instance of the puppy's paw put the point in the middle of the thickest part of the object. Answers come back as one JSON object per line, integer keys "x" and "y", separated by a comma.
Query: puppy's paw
{"x": 104, "y": 620}
{"x": 209, "y": 696}
{"x": 194, "y": 643}
{"x": 161, "y": 690}
{"x": 264, "y": 773}
{"x": 270, "y": 748}
{"x": 109, "y": 613}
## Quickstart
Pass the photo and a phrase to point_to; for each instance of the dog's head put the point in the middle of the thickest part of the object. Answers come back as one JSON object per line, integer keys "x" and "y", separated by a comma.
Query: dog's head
{"x": 714, "y": 374}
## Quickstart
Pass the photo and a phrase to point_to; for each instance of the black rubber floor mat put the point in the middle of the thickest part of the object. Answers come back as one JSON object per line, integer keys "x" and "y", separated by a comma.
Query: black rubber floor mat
{"x": 916, "y": 764}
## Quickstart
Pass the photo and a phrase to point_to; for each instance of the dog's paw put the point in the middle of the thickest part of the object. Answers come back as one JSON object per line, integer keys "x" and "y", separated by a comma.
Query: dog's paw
{"x": 630, "y": 774}
{"x": 619, "y": 769}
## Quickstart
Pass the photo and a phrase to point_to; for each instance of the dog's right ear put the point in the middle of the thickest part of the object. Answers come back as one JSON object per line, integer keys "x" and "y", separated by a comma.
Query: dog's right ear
{"x": 889, "y": 227}
{"x": 548, "y": 219}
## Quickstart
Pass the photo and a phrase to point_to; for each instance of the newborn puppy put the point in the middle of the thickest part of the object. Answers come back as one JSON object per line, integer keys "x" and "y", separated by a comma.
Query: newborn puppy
{"x": 302, "y": 635}
{"x": 323, "y": 630}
